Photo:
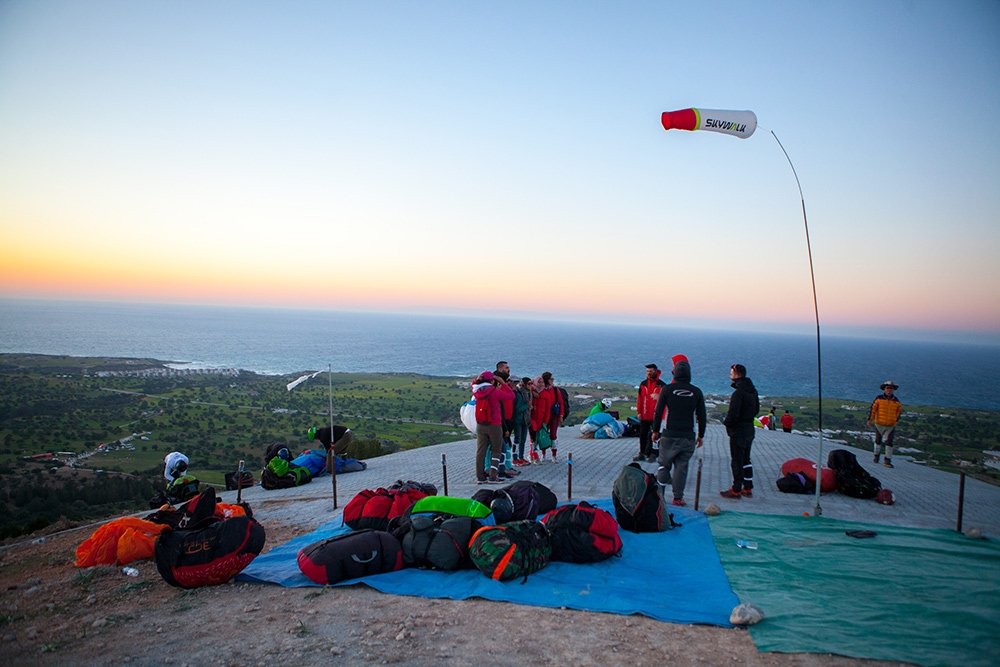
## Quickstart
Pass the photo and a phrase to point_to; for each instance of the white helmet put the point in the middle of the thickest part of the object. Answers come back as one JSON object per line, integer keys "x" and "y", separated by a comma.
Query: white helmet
{"x": 606, "y": 402}
{"x": 174, "y": 465}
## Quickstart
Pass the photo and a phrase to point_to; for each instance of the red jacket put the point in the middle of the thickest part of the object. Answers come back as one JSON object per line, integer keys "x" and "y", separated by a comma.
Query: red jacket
{"x": 541, "y": 411}
{"x": 787, "y": 420}
{"x": 649, "y": 394}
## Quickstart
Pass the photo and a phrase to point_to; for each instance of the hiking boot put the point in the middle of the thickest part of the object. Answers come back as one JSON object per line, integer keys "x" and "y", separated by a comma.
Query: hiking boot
{"x": 480, "y": 481}
{"x": 876, "y": 458}
{"x": 729, "y": 493}
{"x": 679, "y": 502}
{"x": 888, "y": 464}
{"x": 651, "y": 458}
{"x": 747, "y": 493}
{"x": 639, "y": 458}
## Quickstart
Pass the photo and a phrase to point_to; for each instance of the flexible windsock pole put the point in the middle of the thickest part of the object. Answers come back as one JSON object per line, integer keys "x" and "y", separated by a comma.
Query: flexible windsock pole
{"x": 817, "y": 510}
{"x": 333, "y": 449}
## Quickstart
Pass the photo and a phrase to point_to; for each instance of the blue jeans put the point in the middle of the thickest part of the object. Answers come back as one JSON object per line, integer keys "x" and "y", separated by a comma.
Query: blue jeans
{"x": 520, "y": 437}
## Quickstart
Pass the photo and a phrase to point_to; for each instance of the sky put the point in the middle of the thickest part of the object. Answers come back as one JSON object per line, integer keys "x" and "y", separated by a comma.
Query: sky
{"x": 507, "y": 159}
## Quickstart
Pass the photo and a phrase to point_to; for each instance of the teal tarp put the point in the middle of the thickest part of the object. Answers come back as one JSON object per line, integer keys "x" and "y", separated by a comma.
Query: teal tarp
{"x": 931, "y": 597}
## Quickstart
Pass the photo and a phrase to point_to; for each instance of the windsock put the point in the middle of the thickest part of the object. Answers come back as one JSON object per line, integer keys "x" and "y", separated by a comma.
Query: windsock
{"x": 736, "y": 123}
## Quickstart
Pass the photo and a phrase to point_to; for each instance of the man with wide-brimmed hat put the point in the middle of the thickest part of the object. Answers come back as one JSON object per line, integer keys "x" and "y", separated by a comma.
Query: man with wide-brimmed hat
{"x": 885, "y": 412}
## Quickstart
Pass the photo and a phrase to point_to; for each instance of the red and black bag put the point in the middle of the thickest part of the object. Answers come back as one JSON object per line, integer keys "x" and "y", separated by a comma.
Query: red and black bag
{"x": 582, "y": 534}
{"x": 205, "y": 550}
{"x": 372, "y": 510}
{"x": 349, "y": 556}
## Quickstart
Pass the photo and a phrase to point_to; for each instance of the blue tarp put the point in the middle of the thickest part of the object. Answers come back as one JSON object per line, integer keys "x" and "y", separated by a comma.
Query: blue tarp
{"x": 673, "y": 576}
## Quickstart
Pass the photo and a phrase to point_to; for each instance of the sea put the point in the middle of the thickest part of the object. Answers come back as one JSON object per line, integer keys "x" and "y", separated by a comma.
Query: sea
{"x": 279, "y": 341}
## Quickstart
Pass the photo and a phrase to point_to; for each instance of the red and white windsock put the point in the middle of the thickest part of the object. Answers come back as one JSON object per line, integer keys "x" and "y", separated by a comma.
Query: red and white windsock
{"x": 736, "y": 123}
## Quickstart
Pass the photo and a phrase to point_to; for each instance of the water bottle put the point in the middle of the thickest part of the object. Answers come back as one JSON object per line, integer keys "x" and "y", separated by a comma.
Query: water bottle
{"x": 131, "y": 571}
{"x": 745, "y": 544}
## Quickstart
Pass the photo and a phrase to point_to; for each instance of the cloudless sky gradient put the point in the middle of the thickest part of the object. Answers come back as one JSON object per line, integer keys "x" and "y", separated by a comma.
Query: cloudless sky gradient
{"x": 508, "y": 159}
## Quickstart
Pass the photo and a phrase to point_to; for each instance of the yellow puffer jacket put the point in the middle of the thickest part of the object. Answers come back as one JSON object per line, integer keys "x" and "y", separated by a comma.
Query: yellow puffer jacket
{"x": 885, "y": 410}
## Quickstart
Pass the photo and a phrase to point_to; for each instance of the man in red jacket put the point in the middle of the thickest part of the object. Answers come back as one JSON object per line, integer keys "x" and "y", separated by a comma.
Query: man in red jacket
{"x": 649, "y": 394}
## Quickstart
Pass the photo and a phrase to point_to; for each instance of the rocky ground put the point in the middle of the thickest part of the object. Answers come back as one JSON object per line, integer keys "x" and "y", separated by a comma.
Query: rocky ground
{"x": 56, "y": 614}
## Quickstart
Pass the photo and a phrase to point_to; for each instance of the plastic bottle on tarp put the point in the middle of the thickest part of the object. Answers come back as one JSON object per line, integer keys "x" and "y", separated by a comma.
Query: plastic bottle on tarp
{"x": 746, "y": 544}
{"x": 130, "y": 571}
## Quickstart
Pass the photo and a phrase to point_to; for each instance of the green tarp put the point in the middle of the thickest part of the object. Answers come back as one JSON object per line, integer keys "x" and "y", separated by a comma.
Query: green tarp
{"x": 930, "y": 597}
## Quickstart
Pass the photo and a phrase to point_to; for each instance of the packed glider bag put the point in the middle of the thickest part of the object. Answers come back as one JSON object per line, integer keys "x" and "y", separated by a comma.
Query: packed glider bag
{"x": 582, "y": 534}
{"x": 349, "y": 556}
{"x": 373, "y": 509}
{"x": 511, "y": 551}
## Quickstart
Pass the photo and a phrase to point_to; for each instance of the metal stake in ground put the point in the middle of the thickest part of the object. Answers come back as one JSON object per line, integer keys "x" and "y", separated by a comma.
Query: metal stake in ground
{"x": 697, "y": 487}
{"x": 239, "y": 482}
{"x": 569, "y": 477}
{"x": 444, "y": 473}
{"x": 961, "y": 499}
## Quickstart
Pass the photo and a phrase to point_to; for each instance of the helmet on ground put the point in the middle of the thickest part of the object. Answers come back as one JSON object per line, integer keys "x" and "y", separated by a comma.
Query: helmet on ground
{"x": 503, "y": 509}
{"x": 885, "y": 497}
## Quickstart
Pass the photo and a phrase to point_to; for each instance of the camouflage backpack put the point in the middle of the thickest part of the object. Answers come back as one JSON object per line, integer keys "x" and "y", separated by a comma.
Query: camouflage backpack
{"x": 513, "y": 550}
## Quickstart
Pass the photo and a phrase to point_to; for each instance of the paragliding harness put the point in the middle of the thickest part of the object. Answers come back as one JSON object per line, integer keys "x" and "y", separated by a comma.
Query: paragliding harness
{"x": 852, "y": 479}
{"x": 205, "y": 550}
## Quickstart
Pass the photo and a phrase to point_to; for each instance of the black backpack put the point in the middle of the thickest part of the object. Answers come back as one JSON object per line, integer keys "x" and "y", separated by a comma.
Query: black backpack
{"x": 547, "y": 500}
{"x": 524, "y": 499}
{"x": 852, "y": 479}
{"x": 637, "y": 500}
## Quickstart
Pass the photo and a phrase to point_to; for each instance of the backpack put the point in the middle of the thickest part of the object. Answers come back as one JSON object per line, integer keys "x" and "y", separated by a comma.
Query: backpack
{"x": 547, "y": 500}
{"x": 513, "y": 550}
{"x": 373, "y": 509}
{"x": 852, "y": 479}
{"x": 525, "y": 500}
{"x": 437, "y": 541}
{"x": 795, "y": 482}
{"x": 349, "y": 556}
{"x": 280, "y": 474}
{"x": 245, "y": 481}
{"x": 582, "y": 534}
{"x": 483, "y": 412}
{"x": 205, "y": 550}
{"x": 637, "y": 500}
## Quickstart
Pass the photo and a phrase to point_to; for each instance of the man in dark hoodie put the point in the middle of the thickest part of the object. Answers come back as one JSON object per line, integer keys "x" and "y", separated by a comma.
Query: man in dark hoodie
{"x": 683, "y": 403}
{"x": 744, "y": 405}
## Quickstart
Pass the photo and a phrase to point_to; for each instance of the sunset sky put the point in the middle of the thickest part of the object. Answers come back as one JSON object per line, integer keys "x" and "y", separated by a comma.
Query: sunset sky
{"x": 508, "y": 159}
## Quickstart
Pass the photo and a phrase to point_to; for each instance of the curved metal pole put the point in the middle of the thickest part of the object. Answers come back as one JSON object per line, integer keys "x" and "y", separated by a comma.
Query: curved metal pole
{"x": 817, "y": 510}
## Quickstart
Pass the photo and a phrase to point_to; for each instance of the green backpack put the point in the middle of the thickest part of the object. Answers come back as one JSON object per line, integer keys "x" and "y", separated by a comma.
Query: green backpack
{"x": 513, "y": 550}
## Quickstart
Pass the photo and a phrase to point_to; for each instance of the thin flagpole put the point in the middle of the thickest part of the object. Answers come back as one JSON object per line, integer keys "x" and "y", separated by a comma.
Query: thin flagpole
{"x": 333, "y": 450}
{"x": 817, "y": 510}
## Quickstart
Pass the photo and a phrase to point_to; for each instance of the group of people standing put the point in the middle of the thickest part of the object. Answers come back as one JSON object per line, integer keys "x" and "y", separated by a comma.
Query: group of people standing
{"x": 669, "y": 415}
{"x": 513, "y": 412}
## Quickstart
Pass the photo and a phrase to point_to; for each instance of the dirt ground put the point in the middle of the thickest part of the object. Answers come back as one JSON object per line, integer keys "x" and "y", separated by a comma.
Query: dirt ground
{"x": 52, "y": 613}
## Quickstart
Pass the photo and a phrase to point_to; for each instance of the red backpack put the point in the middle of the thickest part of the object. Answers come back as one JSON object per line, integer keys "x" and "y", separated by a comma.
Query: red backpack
{"x": 483, "y": 411}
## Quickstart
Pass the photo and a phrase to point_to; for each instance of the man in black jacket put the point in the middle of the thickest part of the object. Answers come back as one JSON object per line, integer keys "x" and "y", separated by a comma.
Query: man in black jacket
{"x": 684, "y": 403}
{"x": 744, "y": 405}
